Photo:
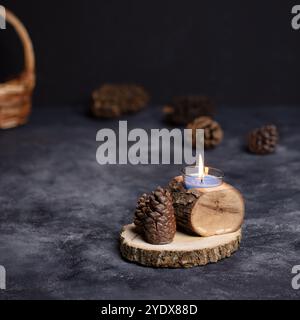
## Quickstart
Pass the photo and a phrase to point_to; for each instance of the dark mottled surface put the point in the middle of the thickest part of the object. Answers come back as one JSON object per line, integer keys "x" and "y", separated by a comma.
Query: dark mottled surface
{"x": 61, "y": 212}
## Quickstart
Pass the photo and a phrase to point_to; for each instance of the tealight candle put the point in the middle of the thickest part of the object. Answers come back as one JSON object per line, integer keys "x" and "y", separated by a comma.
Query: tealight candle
{"x": 210, "y": 177}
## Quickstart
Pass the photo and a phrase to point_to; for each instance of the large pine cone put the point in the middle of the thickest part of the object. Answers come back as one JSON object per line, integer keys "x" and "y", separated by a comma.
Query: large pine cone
{"x": 213, "y": 133}
{"x": 155, "y": 217}
{"x": 184, "y": 109}
{"x": 263, "y": 140}
{"x": 113, "y": 100}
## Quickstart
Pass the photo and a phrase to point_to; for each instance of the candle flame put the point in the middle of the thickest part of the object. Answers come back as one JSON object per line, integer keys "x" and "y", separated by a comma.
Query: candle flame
{"x": 200, "y": 167}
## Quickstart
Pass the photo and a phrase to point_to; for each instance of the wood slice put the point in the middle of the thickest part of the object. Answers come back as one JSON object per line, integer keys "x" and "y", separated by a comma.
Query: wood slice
{"x": 207, "y": 211}
{"x": 185, "y": 251}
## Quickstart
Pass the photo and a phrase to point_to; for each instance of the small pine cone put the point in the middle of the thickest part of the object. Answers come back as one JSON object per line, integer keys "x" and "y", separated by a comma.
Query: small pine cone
{"x": 184, "y": 109}
{"x": 176, "y": 186}
{"x": 155, "y": 217}
{"x": 263, "y": 140}
{"x": 113, "y": 100}
{"x": 213, "y": 133}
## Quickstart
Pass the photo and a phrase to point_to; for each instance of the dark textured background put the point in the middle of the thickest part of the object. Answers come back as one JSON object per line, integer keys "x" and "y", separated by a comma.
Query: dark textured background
{"x": 240, "y": 52}
{"x": 61, "y": 212}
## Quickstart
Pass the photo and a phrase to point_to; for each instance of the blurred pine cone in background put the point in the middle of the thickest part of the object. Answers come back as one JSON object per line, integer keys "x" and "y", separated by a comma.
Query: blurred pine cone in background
{"x": 155, "y": 217}
{"x": 213, "y": 133}
{"x": 114, "y": 100}
{"x": 263, "y": 140}
{"x": 184, "y": 109}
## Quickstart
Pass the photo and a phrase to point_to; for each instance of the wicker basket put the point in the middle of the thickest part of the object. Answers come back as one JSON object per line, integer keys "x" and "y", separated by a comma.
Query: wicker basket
{"x": 16, "y": 94}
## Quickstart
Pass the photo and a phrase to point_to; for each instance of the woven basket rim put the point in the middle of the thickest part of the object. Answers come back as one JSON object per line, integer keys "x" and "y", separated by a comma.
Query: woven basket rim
{"x": 28, "y": 74}
{"x": 16, "y": 94}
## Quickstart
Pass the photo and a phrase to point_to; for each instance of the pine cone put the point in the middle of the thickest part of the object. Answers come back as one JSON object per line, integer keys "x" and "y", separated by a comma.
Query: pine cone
{"x": 213, "y": 133}
{"x": 263, "y": 140}
{"x": 176, "y": 186}
{"x": 113, "y": 100}
{"x": 155, "y": 217}
{"x": 185, "y": 109}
